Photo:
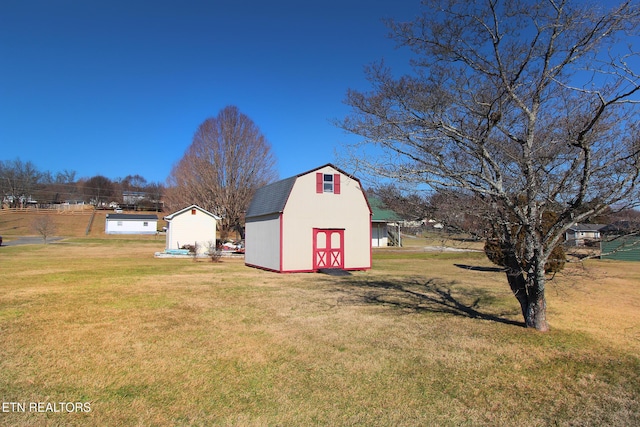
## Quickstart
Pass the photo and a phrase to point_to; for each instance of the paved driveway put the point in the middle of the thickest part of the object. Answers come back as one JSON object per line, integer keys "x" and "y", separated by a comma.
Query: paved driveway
{"x": 29, "y": 240}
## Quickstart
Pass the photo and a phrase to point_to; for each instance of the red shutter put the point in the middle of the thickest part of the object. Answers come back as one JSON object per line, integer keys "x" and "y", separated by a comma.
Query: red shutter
{"x": 336, "y": 183}
{"x": 319, "y": 186}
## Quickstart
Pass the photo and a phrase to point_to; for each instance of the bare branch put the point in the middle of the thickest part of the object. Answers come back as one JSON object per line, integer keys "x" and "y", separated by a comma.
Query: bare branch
{"x": 527, "y": 106}
{"x": 227, "y": 161}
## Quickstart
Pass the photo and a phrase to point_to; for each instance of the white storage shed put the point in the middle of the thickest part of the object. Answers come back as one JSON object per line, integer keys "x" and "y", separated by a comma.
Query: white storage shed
{"x": 191, "y": 225}
{"x": 131, "y": 224}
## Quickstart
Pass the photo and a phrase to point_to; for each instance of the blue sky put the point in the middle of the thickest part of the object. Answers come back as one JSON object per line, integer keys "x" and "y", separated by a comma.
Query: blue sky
{"x": 119, "y": 87}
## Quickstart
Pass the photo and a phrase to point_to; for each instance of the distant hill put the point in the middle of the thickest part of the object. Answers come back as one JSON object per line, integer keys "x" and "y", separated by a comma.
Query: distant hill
{"x": 68, "y": 224}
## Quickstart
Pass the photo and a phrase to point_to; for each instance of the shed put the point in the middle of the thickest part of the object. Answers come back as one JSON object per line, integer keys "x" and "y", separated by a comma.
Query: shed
{"x": 385, "y": 225}
{"x": 316, "y": 220}
{"x": 131, "y": 224}
{"x": 192, "y": 225}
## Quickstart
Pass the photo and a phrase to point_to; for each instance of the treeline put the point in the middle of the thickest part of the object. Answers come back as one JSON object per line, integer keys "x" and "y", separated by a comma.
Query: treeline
{"x": 459, "y": 212}
{"x": 22, "y": 184}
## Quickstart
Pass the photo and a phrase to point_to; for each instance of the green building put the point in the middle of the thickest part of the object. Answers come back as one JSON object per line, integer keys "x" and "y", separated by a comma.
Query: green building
{"x": 621, "y": 248}
{"x": 385, "y": 225}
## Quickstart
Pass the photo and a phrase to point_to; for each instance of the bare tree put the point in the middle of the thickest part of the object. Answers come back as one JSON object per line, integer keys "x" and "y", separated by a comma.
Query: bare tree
{"x": 133, "y": 183}
{"x": 462, "y": 213}
{"x": 45, "y": 226}
{"x": 531, "y": 107}
{"x": 227, "y": 161}
{"x": 155, "y": 192}
{"x": 59, "y": 187}
{"x": 131, "y": 191}
{"x": 409, "y": 205}
{"x": 18, "y": 181}
{"x": 98, "y": 188}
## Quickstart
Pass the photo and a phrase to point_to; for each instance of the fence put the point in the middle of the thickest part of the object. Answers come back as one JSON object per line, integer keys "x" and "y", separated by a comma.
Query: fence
{"x": 62, "y": 209}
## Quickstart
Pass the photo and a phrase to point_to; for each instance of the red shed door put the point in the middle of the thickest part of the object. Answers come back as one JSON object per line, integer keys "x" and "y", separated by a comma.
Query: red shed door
{"x": 328, "y": 248}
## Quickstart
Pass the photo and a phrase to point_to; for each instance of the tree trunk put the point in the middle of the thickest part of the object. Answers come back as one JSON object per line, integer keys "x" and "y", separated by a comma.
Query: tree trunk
{"x": 516, "y": 279}
{"x": 529, "y": 291}
{"x": 518, "y": 286}
{"x": 536, "y": 316}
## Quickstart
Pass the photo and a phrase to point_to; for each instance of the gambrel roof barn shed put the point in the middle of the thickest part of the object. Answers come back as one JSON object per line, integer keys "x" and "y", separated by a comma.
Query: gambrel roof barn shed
{"x": 319, "y": 219}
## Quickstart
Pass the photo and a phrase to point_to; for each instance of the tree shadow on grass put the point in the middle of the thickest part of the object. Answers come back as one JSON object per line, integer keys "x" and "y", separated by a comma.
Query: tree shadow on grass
{"x": 422, "y": 295}
{"x": 480, "y": 268}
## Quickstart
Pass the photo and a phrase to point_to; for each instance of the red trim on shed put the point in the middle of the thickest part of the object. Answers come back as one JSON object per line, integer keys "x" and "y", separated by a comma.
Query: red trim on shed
{"x": 281, "y": 241}
{"x": 328, "y": 252}
{"x": 259, "y": 267}
{"x": 370, "y": 239}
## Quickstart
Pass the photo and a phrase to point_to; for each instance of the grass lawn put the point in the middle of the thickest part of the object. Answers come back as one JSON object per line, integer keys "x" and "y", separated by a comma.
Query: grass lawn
{"x": 421, "y": 339}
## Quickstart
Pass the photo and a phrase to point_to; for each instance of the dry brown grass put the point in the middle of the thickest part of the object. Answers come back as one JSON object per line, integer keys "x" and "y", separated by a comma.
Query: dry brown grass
{"x": 419, "y": 340}
{"x": 67, "y": 223}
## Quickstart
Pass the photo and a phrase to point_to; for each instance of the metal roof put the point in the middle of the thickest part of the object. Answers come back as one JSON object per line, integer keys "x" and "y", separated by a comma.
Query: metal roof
{"x": 586, "y": 227}
{"x": 380, "y": 213}
{"x": 143, "y": 217}
{"x": 621, "y": 249}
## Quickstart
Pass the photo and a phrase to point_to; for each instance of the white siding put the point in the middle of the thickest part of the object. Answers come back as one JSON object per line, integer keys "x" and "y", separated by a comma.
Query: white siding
{"x": 187, "y": 229}
{"x": 262, "y": 242}
{"x": 379, "y": 235}
{"x": 307, "y": 209}
{"x": 128, "y": 226}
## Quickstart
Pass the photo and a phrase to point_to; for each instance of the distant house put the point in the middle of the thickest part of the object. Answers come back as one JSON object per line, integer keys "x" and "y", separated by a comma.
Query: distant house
{"x": 316, "y": 220}
{"x": 191, "y": 226}
{"x": 385, "y": 225}
{"x": 133, "y": 197}
{"x": 131, "y": 224}
{"x": 580, "y": 234}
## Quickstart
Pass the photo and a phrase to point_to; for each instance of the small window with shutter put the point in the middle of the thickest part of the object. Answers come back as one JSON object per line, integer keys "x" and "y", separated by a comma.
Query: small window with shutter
{"x": 327, "y": 183}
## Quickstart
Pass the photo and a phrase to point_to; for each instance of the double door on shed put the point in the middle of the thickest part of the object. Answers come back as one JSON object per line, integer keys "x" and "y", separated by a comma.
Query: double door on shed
{"x": 328, "y": 248}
